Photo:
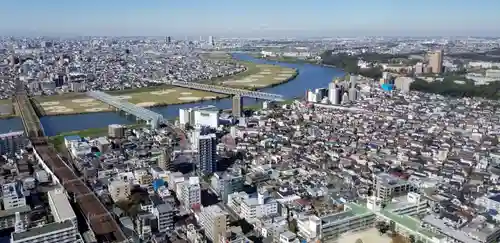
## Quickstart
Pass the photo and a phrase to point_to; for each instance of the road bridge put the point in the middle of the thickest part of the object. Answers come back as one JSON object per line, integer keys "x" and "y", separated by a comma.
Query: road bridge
{"x": 152, "y": 118}
{"x": 229, "y": 91}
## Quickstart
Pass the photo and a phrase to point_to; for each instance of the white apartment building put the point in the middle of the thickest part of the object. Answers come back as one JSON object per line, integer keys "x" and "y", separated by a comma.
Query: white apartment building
{"x": 58, "y": 232}
{"x": 119, "y": 190}
{"x": 191, "y": 193}
{"x": 215, "y": 221}
{"x": 60, "y": 207}
{"x": 13, "y": 195}
{"x": 252, "y": 208}
{"x": 164, "y": 213}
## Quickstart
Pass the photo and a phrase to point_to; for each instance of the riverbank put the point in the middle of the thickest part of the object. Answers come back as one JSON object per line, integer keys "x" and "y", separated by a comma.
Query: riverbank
{"x": 256, "y": 76}
{"x": 92, "y": 132}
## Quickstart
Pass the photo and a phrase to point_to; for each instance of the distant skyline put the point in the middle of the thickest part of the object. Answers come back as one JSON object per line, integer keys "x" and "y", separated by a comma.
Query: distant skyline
{"x": 233, "y": 18}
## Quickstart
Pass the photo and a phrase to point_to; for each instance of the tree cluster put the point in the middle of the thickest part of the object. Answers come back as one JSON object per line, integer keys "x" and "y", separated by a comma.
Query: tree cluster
{"x": 350, "y": 63}
{"x": 448, "y": 87}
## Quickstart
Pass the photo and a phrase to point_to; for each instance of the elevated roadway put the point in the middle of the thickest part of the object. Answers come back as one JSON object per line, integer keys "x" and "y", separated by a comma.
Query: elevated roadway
{"x": 152, "y": 118}
{"x": 229, "y": 91}
{"x": 97, "y": 216}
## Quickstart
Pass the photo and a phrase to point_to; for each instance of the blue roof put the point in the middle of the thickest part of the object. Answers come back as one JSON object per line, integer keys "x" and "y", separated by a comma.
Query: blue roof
{"x": 72, "y": 138}
{"x": 158, "y": 183}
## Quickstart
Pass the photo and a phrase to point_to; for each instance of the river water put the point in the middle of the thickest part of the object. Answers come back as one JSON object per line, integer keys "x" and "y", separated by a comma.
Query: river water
{"x": 310, "y": 77}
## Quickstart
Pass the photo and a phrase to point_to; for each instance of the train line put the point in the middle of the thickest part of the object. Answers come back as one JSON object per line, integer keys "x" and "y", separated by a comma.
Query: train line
{"x": 100, "y": 220}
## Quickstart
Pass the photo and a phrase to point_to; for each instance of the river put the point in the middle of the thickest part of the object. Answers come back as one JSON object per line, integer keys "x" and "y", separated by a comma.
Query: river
{"x": 310, "y": 77}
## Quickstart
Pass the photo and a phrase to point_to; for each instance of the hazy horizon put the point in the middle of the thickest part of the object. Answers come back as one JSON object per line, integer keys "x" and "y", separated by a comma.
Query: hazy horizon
{"x": 258, "y": 18}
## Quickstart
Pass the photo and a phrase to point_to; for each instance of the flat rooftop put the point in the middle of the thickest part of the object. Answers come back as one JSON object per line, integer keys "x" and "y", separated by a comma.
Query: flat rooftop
{"x": 62, "y": 208}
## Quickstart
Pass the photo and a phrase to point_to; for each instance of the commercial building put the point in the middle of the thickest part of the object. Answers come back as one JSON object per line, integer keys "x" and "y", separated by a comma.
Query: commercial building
{"x": 214, "y": 221}
{"x": 207, "y": 154}
{"x": 436, "y": 61}
{"x": 12, "y": 142}
{"x": 8, "y": 217}
{"x": 116, "y": 131}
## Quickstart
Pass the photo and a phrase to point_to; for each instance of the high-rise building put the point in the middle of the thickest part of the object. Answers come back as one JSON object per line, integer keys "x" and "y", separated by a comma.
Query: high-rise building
{"x": 215, "y": 221}
{"x": 353, "y": 94}
{"x": 12, "y": 142}
{"x": 211, "y": 40}
{"x": 207, "y": 153}
{"x": 237, "y": 105}
{"x": 353, "y": 79}
{"x": 164, "y": 214}
{"x": 334, "y": 94}
{"x": 168, "y": 39}
{"x": 165, "y": 160}
{"x": 436, "y": 61}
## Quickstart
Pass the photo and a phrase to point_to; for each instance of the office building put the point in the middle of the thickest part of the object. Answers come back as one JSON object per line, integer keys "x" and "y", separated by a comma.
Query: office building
{"x": 207, "y": 153}
{"x": 237, "y": 105}
{"x": 168, "y": 39}
{"x": 116, "y": 131}
{"x": 119, "y": 190}
{"x": 419, "y": 68}
{"x": 190, "y": 192}
{"x": 211, "y": 40}
{"x": 436, "y": 61}
{"x": 13, "y": 195}
{"x": 12, "y": 142}
{"x": 214, "y": 221}
{"x": 227, "y": 183}
{"x": 387, "y": 186}
{"x": 165, "y": 159}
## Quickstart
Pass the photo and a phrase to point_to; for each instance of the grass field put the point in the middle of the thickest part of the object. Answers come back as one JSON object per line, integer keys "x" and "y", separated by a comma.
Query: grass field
{"x": 258, "y": 76}
{"x": 255, "y": 77}
{"x": 56, "y": 105}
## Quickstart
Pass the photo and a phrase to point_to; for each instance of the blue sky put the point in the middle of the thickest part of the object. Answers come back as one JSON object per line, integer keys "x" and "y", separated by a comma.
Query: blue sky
{"x": 250, "y": 17}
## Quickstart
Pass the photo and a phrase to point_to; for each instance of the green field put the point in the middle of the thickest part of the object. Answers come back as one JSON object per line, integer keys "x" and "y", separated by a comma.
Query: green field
{"x": 54, "y": 105}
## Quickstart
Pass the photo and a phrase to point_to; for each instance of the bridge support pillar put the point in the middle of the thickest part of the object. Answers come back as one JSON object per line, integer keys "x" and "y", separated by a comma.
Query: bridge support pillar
{"x": 237, "y": 105}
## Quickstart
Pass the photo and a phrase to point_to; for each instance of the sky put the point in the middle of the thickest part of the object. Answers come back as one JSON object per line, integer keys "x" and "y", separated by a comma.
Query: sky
{"x": 250, "y": 18}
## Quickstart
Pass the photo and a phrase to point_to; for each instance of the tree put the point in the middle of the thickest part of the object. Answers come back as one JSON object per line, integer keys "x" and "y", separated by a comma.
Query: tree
{"x": 412, "y": 239}
{"x": 292, "y": 226}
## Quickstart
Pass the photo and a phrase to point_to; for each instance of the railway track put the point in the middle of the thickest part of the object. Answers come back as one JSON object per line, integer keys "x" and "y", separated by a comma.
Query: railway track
{"x": 100, "y": 220}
